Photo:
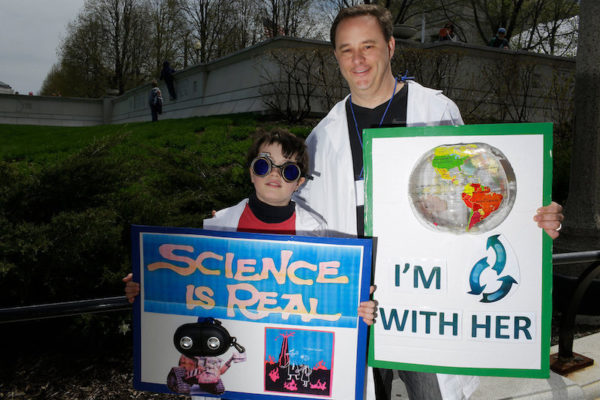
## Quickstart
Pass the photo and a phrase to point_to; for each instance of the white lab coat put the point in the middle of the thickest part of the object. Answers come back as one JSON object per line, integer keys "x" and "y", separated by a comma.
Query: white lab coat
{"x": 227, "y": 219}
{"x": 332, "y": 194}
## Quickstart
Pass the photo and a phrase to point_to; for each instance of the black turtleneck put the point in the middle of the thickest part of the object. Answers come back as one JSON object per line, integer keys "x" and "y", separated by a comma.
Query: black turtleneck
{"x": 270, "y": 214}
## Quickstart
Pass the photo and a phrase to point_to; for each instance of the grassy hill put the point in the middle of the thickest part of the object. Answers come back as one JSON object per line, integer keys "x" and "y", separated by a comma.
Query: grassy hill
{"x": 68, "y": 196}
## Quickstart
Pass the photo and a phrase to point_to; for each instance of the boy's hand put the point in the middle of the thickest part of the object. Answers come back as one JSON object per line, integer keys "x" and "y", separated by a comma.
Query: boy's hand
{"x": 367, "y": 310}
{"x": 132, "y": 289}
{"x": 550, "y": 218}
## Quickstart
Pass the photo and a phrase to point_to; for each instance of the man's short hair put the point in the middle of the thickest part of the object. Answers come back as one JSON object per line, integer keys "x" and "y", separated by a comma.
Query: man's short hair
{"x": 383, "y": 16}
{"x": 291, "y": 146}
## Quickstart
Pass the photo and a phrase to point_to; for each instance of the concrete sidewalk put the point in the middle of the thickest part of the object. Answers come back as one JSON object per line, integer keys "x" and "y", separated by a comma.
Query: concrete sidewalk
{"x": 581, "y": 385}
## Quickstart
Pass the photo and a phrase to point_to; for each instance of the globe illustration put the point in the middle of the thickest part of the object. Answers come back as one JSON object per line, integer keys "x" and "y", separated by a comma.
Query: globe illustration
{"x": 462, "y": 188}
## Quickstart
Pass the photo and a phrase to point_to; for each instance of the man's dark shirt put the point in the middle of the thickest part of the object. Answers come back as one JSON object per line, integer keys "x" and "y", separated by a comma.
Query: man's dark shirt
{"x": 370, "y": 118}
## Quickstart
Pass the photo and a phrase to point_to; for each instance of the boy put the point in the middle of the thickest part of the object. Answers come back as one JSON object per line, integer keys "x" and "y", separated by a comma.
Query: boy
{"x": 278, "y": 162}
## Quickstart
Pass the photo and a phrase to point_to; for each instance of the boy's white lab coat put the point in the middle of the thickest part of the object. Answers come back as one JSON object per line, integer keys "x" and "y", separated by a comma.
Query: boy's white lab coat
{"x": 227, "y": 219}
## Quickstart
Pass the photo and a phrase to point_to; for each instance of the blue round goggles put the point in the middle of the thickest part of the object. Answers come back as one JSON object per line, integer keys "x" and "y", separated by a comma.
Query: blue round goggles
{"x": 262, "y": 165}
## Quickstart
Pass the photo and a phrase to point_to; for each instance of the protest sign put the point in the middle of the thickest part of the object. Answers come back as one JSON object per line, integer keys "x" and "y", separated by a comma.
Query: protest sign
{"x": 463, "y": 273}
{"x": 246, "y": 315}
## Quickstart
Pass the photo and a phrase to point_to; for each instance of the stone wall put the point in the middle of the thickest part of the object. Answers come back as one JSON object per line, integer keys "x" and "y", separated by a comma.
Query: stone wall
{"x": 493, "y": 85}
{"x": 58, "y": 111}
{"x": 489, "y": 85}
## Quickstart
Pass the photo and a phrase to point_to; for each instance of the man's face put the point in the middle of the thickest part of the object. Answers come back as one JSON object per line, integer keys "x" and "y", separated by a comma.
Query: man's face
{"x": 363, "y": 54}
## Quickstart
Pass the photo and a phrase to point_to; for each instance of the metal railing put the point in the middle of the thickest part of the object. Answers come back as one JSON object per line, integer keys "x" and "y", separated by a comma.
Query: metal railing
{"x": 565, "y": 361}
{"x": 54, "y": 310}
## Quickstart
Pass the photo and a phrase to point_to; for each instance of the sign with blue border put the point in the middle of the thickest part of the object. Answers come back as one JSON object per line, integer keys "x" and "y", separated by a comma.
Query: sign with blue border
{"x": 289, "y": 303}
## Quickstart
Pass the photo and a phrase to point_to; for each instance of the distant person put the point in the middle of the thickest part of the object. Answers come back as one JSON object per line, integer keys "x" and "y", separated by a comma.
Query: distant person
{"x": 166, "y": 74}
{"x": 499, "y": 40}
{"x": 155, "y": 101}
{"x": 447, "y": 33}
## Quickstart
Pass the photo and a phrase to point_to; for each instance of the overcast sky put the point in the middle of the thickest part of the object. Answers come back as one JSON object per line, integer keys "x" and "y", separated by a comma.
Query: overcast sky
{"x": 31, "y": 33}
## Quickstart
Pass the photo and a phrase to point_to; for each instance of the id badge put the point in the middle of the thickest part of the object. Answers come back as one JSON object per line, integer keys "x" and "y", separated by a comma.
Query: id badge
{"x": 359, "y": 187}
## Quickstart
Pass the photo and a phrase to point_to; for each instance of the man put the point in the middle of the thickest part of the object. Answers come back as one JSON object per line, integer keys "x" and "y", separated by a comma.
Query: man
{"x": 363, "y": 46}
{"x": 499, "y": 40}
{"x": 166, "y": 74}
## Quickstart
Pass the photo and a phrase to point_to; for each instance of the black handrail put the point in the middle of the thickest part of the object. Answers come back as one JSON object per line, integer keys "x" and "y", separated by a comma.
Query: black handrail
{"x": 54, "y": 310}
{"x": 574, "y": 258}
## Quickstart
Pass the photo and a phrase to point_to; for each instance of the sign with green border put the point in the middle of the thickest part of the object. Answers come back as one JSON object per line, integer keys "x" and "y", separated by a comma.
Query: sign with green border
{"x": 463, "y": 272}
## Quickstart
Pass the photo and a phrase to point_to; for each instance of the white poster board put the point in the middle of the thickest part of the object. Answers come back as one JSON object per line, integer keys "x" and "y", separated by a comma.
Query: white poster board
{"x": 463, "y": 273}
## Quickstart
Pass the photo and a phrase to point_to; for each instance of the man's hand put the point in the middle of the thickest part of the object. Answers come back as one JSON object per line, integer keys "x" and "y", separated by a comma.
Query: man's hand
{"x": 550, "y": 218}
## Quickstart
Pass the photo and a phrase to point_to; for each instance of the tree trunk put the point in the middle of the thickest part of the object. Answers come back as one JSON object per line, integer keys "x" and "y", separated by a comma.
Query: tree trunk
{"x": 582, "y": 211}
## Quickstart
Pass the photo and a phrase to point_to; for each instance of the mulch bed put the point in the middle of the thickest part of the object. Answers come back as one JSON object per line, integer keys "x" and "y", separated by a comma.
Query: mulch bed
{"x": 41, "y": 360}
{"x": 39, "y": 365}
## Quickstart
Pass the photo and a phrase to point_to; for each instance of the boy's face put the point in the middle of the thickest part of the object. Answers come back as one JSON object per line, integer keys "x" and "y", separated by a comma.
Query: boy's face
{"x": 272, "y": 188}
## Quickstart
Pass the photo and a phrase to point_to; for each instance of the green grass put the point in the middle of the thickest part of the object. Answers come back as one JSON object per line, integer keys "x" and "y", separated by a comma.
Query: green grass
{"x": 69, "y": 195}
{"x": 46, "y": 143}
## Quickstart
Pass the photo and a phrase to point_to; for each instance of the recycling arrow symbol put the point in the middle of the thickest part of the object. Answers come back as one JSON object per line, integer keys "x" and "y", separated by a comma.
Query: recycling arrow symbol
{"x": 506, "y": 281}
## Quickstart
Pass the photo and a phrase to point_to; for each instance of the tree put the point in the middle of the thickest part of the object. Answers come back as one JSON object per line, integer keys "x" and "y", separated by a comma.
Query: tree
{"x": 168, "y": 31}
{"x": 245, "y": 31}
{"x": 550, "y": 27}
{"x": 401, "y": 10}
{"x": 126, "y": 25}
{"x": 539, "y": 23}
{"x": 210, "y": 24}
{"x": 53, "y": 82}
{"x": 82, "y": 70}
{"x": 107, "y": 46}
{"x": 285, "y": 17}
{"x": 489, "y": 15}
{"x": 300, "y": 79}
